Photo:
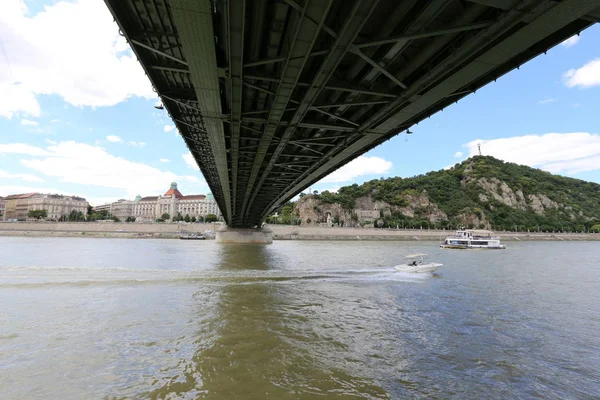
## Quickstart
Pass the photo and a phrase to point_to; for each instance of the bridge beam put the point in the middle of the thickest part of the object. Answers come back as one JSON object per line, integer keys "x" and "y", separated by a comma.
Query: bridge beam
{"x": 520, "y": 46}
{"x": 195, "y": 27}
{"x": 271, "y": 96}
{"x": 304, "y": 39}
{"x": 358, "y": 16}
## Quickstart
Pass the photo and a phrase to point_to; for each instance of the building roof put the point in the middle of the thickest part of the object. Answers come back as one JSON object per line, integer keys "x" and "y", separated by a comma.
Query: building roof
{"x": 19, "y": 196}
{"x": 193, "y": 197}
{"x": 172, "y": 192}
{"x": 149, "y": 198}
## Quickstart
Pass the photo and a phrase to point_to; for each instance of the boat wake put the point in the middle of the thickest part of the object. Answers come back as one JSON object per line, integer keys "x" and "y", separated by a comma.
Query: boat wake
{"x": 36, "y": 276}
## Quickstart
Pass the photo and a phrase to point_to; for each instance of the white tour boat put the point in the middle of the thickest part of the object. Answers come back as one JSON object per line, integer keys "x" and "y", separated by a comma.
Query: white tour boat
{"x": 472, "y": 239}
{"x": 418, "y": 264}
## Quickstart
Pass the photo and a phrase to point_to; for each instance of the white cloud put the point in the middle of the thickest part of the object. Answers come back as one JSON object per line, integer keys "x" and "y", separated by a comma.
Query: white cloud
{"x": 169, "y": 128}
{"x": 114, "y": 139}
{"x": 136, "y": 144}
{"x": 24, "y": 177}
{"x": 190, "y": 161}
{"x": 458, "y": 154}
{"x": 50, "y": 141}
{"x": 28, "y": 122}
{"x": 22, "y": 148}
{"x": 55, "y": 121}
{"x": 96, "y": 201}
{"x": 6, "y": 190}
{"x": 84, "y": 164}
{"x": 360, "y": 166}
{"x": 569, "y": 153}
{"x": 165, "y": 160}
{"x": 546, "y": 101}
{"x": 572, "y": 41}
{"x": 46, "y": 55}
{"x": 15, "y": 97}
{"x": 584, "y": 77}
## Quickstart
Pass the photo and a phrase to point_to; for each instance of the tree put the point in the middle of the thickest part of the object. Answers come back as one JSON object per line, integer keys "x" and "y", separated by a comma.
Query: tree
{"x": 37, "y": 214}
{"x": 130, "y": 219}
{"x": 116, "y": 219}
{"x": 187, "y": 218}
{"x": 595, "y": 228}
{"x": 165, "y": 217}
{"x": 89, "y": 210}
{"x": 193, "y": 219}
{"x": 210, "y": 218}
{"x": 76, "y": 216}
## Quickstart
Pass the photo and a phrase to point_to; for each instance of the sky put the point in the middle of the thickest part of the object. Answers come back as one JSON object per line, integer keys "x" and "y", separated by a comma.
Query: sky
{"x": 77, "y": 114}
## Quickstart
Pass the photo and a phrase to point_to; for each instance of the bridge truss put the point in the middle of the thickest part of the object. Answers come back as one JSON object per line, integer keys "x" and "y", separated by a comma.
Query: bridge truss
{"x": 271, "y": 96}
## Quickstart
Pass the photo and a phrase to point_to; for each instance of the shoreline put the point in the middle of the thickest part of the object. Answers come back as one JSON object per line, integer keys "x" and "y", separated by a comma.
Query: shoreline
{"x": 280, "y": 232}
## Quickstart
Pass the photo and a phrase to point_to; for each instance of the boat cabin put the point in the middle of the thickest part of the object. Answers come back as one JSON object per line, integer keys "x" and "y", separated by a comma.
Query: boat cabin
{"x": 471, "y": 238}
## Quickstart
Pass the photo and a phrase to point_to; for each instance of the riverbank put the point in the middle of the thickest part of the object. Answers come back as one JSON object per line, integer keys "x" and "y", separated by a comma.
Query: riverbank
{"x": 283, "y": 232}
{"x": 280, "y": 232}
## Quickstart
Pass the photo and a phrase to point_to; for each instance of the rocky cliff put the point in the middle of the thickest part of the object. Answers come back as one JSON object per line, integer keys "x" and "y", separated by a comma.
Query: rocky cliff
{"x": 480, "y": 192}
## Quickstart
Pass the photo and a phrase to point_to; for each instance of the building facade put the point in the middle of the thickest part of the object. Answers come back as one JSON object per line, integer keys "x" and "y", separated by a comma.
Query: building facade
{"x": 172, "y": 203}
{"x": 56, "y": 205}
{"x": 122, "y": 209}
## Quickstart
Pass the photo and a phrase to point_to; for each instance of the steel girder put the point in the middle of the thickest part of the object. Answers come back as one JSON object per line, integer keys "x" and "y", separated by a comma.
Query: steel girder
{"x": 517, "y": 48}
{"x": 272, "y": 95}
{"x": 301, "y": 46}
{"x": 352, "y": 25}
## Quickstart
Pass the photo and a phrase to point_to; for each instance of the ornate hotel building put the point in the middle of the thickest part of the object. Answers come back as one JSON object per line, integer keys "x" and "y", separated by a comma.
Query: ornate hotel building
{"x": 172, "y": 203}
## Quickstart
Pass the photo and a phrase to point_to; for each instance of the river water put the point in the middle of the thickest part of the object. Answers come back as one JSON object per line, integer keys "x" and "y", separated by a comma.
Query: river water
{"x": 166, "y": 319}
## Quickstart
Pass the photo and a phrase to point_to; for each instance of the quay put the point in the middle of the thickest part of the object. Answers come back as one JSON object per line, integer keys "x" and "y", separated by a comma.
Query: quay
{"x": 280, "y": 232}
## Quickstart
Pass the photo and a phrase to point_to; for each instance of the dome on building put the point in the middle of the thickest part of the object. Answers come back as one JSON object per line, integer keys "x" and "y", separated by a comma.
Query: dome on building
{"x": 209, "y": 196}
{"x": 173, "y": 191}
{"x": 138, "y": 197}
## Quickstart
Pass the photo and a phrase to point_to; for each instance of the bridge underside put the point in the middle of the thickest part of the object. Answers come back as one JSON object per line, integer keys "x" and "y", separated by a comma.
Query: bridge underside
{"x": 272, "y": 95}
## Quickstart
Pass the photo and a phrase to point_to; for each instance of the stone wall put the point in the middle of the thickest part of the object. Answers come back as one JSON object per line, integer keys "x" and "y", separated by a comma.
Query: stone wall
{"x": 104, "y": 227}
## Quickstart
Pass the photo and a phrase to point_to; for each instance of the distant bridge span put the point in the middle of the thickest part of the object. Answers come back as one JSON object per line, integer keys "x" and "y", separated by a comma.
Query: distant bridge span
{"x": 272, "y": 95}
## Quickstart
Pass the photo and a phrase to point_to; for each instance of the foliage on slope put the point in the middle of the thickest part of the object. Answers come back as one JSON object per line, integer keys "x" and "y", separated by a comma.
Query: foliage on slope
{"x": 461, "y": 191}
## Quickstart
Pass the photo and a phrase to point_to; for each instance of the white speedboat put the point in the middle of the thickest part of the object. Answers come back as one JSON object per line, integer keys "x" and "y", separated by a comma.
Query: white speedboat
{"x": 472, "y": 239}
{"x": 417, "y": 264}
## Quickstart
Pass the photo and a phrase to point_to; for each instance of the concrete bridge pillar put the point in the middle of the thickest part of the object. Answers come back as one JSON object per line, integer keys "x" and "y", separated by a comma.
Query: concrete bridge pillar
{"x": 227, "y": 234}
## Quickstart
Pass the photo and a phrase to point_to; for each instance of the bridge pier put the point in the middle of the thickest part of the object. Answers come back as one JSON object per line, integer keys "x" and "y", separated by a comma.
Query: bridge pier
{"x": 227, "y": 234}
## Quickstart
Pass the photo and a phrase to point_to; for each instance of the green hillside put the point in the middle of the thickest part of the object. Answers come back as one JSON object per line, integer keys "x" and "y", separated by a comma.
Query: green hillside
{"x": 481, "y": 192}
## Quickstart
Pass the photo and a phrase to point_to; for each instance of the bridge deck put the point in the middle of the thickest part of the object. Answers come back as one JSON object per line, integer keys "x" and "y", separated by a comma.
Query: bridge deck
{"x": 273, "y": 95}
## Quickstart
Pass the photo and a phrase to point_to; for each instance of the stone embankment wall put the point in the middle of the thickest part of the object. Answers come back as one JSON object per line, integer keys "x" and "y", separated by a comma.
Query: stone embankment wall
{"x": 99, "y": 229}
{"x": 286, "y": 232}
{"x": 280, "y": 232}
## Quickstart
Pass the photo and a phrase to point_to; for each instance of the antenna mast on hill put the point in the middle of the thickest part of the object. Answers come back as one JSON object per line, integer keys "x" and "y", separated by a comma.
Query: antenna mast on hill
{"x": 479, "y": 148}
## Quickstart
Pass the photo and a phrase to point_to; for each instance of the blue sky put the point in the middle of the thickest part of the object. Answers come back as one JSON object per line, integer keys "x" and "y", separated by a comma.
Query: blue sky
{"x": 77, "y": 115}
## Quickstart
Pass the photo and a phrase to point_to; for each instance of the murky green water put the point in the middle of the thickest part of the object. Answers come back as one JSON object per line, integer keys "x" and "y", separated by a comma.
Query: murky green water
{"x": 103, "y": 318}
